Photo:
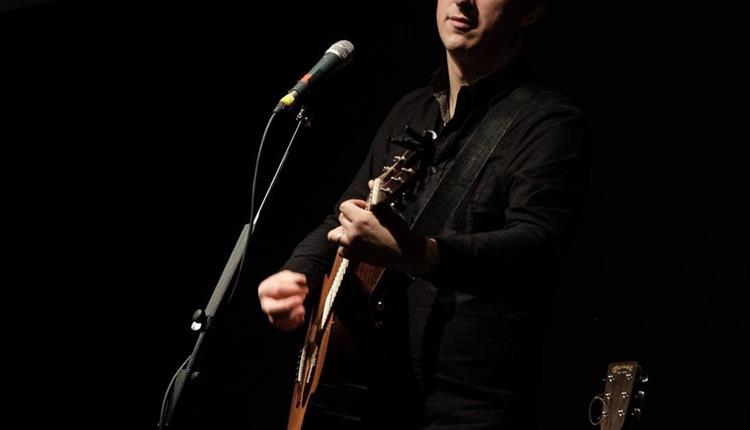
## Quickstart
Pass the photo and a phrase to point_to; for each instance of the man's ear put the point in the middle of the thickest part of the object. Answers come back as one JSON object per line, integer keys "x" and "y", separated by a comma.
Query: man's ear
{"x": 533, "y": 14}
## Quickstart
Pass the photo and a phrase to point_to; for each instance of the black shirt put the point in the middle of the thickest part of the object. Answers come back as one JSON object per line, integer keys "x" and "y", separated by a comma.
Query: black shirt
{"x": 500, "y": 231}
{"x": 473, "y": 323}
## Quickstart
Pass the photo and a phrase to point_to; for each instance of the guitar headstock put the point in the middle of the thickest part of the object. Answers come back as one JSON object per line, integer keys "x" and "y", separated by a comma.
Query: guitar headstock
{"x": 396, "y": 181}
{"x": 622, "y": 396}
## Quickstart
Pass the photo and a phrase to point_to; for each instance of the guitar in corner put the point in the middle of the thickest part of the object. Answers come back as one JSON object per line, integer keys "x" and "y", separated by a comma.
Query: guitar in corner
{"x": 622, "y": 397}
{"x": 393, "y": 184}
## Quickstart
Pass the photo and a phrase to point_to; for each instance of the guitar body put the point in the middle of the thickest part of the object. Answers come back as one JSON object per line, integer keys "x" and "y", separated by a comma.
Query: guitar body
{"x": 318, "y": 337}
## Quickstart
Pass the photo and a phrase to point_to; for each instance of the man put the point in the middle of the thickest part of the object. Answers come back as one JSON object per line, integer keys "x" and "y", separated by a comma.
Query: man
{"x": 477, "y": 285}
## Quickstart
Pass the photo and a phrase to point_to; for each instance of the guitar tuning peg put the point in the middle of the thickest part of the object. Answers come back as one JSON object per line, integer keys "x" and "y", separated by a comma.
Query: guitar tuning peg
{"x": 642, "y": 375}
{"x": 399, "y": 204}
{"x": 640, "y": 395}
{"x": 636, "y": 413}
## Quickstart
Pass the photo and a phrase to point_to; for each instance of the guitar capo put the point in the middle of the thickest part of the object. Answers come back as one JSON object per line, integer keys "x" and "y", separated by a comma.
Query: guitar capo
{"x": 422, "y": 143}
{"x": 414, "y": 140}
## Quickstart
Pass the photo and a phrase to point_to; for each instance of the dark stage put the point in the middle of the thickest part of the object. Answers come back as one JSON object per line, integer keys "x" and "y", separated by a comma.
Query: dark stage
{"x": 131, "y": 129}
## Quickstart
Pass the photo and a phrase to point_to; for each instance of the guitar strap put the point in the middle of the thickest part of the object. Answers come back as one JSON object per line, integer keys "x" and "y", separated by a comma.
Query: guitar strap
{"x": 411, "y": 307}
{"x": 463, "y": 172}
{"x": 386, "y": 346}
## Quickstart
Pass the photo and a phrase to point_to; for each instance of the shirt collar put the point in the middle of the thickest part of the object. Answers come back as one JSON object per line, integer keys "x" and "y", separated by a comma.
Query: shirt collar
{"x": 480, "y": 93}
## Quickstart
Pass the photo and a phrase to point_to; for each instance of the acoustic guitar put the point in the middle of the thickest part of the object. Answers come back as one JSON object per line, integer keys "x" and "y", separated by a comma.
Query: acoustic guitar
{"x": 388, "y": 188}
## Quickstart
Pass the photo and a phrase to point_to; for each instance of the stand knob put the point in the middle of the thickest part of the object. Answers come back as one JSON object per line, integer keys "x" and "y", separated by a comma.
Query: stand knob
{"x": 199, "y": 318}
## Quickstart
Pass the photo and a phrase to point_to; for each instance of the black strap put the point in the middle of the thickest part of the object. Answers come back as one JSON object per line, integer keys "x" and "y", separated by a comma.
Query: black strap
{"x": 464, "y": 171}
{"x": 454, "y": 185}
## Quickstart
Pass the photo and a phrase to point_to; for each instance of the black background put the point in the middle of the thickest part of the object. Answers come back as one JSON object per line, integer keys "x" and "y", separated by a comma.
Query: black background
{"x": 130, "y": 132}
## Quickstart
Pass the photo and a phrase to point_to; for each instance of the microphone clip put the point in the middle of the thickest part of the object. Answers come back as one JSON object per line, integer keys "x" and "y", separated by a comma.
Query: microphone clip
{"x": 303, "y": 117}
{"x": 422, "y": 143}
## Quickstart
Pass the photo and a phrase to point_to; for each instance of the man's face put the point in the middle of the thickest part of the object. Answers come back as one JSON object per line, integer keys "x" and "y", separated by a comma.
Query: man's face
{"x": 478, "y": 27}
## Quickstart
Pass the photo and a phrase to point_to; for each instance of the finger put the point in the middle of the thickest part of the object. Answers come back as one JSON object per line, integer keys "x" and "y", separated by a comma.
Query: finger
{"x": 370, "y": 183}
{"x": 345, "y": 222}
{"x": 288, "y": 323}
{"x": 280, "y": 307}
{"x": 280, "y": 290}
{"x": 296, "y": 277}
{"x": 297, "y": 314}
{"x": 335, "y": 235}
{"x": 352, "y": 208}
{"x": 342, "y": 215}
{"x": 278, "y": 283}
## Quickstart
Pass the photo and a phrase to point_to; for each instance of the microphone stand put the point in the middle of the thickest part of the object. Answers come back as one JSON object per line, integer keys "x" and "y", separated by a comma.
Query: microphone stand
{"x": 202, "y": 320}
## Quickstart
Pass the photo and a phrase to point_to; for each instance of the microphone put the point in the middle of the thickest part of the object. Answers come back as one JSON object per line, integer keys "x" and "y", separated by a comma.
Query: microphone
{"x": 338, "y": 55}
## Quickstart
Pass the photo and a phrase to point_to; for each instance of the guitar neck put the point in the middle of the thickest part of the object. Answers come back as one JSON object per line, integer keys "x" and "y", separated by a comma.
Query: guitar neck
{"x": 340, "y": 265}
{"x": 368, "y": 275}
{"x": 620, "y": 396}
